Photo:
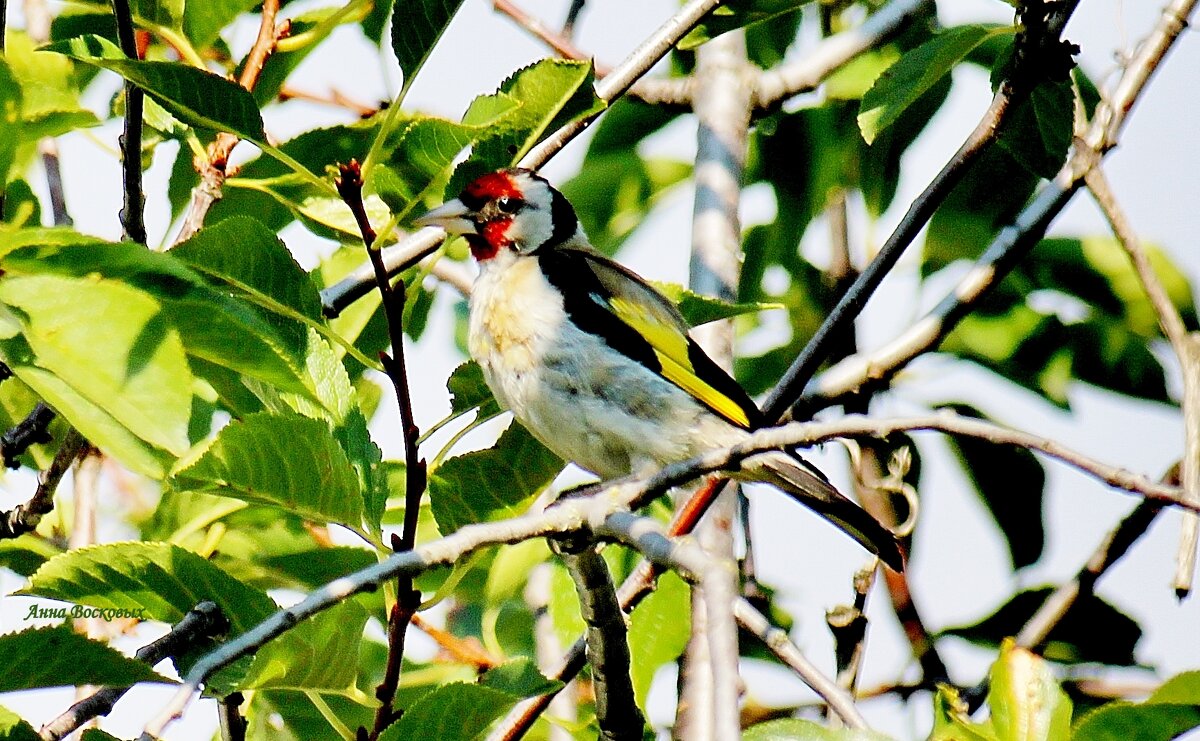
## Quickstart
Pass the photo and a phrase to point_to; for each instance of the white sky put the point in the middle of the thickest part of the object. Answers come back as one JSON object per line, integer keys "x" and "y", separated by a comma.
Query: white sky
{"x": 959, "y": 571}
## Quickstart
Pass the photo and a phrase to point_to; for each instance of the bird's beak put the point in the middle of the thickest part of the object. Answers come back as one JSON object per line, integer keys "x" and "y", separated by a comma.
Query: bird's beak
{"x": 453, "y": 216}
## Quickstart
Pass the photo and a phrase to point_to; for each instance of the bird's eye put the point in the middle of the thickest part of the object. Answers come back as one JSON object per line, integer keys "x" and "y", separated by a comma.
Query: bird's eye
{"x": 508, "y": 205}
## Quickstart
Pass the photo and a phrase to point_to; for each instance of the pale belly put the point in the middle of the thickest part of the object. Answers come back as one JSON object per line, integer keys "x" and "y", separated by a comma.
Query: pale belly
{"x": 587, "y": 403}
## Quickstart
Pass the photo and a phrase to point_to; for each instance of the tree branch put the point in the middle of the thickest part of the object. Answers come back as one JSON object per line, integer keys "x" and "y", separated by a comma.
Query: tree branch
{"x": 203, "y": 622}
{"x": 132, "y": 223}
{"x": 25, "y": 517}
{"x": 26, "y": 433}
{"x": 1011, "y": 92}
{"x": 1015, "y": 240}
{"x": 212, "y": 170}
{"x": 617, "y": 712}
{"x": 839, "y": 700}
{"x": 423, "y": 242}
{"x": 714, "y": 577}
{"x": 349, "y": 186}
{"x": 1187, "y": 350}
{"x": 806, "y": 73}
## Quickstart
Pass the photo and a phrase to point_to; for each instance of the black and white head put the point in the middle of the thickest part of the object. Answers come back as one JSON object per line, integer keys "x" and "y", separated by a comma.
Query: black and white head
{"x": 513, "y": 209}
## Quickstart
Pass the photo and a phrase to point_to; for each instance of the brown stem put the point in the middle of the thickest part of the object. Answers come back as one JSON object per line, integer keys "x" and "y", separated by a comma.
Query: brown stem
{"x": 212, "y": 170}
{"x": 132, "y": 223}
{"x": 349, "y": 186}
{"x": 25, "y": 517}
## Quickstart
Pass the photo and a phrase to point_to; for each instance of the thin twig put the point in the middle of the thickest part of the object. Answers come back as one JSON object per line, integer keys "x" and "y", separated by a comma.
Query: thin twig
{"x": 807, "y": 72}
{"x": 546, "y": 647}
{"x": 25, "y": 517}
{"x": 201, "y": 623}
{"x": 212, "y": 170}
{"x": 232, "y": 724}
{"x": 1187, "y": 351}
{"x": 617, "y": 713}
{"x": 132, "y": 222}
{"x": 1016, "y": 239}
{"x": 839, "y": 700}
{"x": 26, "y": 433}
{"x": 464, "y": 651}
{"x": 422, "y": 243}
{"x": 349, "y": 186}
{"x": 573, "y": 12}
{"x": 1011, "y": 92}
{"x": 1114, "y": 546}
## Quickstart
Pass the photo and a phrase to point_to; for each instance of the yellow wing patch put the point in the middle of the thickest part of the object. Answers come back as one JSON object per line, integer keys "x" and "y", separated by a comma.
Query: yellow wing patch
{"x": 670, "y": 343}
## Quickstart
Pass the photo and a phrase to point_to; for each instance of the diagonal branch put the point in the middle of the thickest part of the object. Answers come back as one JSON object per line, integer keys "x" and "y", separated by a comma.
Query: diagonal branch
{"x": 1187, "y": 350}
{"x": 617, "y": 712}
{"x": 1015, "y": 240}
{"x": 25, "y": 517}
{"x": 1031, "y": 45}
{"x": 422, "y": 243}
{"x": 212, "y": 171}
{"x": 203, "y": 622}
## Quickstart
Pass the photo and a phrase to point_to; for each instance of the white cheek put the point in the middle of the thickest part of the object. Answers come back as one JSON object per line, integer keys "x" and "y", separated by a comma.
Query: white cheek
{"x": 531, "y": 229}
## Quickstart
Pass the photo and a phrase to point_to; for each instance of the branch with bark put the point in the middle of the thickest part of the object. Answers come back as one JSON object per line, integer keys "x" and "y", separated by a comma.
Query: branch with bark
{"x": 202, "y": 623}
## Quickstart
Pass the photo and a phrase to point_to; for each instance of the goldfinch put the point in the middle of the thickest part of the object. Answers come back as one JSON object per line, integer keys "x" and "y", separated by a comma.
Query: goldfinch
{"x": 596, "y": 363}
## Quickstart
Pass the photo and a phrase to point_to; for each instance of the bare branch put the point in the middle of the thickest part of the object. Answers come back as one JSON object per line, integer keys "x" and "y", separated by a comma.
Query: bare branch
{"x": 617, "y": 712}
{"x": 202, "y": 622}
{"x": 1187, "y": 350}
{"x": 1016, "y": 239}
{"x": 722, "y": 87}
{"x": 132, "y": 223}
{"x": 212, "y": 170}
{"x": 422, "y": 243}
{"x": 806, "y": 73}
{"x": 839, "y": 700}
{"x": 25, "y": 517}
{"x": 714, "y": 577}
{"x": 1010, "y": 93}
{"x": 349, "y": 186}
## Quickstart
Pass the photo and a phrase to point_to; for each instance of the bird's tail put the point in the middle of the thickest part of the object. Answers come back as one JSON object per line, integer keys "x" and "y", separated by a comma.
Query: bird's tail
{"x": 801, "y": 481}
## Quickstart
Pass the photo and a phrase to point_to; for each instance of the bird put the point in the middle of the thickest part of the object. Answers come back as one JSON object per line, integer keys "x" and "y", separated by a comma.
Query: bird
{"x": 597, "y": 364}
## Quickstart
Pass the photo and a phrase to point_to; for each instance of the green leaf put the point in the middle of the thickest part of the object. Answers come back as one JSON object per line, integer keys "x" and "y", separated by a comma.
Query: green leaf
{"x": 423, "y": 156}
{"x": 1012, "y": 482}
{"x": 58, "y": 656}
{"x": 1172, "y": 710}
{"x": 166, "y": 13}
{"x": 196, "y": 97}
{"x": 164, "y": 580}
{"x": 21, "y": 205}
{"x": 737, "y": 14}
{"x": 288, "y": 715}
{"x": 203, "y": 21}
{"x": 212, "y": 325}
{"x": 451, "y": 711}
{"x": 320, "y": 653}
{"x": 658, "y": 631}
{"x": 519, "y": 678}
{"x": 25, "y": 554}
{"x": 468, "y": 390}
{"x": 241, "y": 252}
{"x": 491, "y": 484}
{"x": 795, "y": 729}
{"x": 416, "y": 28}
{"x": 698, "y": 309}
{"x": 1025, "y": 700}
{"x": 139, "y": 374}
{"x": 97, "y": 425}
{"x": 14, "y": 728}
{"x": 1092, "y": 631}
{"x": 290, "y": 461}
{"x": 1037, "y": 133}
{"x": 49, "y": 89}
{"x": 916, "y": 72}
{"x": 10, "y": 116}
{"x": 550, "y": 94}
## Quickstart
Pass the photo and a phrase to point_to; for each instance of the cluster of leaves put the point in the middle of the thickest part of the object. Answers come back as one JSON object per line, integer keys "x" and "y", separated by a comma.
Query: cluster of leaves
{"x": 221, "y": 382}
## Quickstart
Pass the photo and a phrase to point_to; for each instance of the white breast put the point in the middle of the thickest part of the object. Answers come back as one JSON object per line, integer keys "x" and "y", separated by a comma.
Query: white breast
{"x": 579, "y": 397}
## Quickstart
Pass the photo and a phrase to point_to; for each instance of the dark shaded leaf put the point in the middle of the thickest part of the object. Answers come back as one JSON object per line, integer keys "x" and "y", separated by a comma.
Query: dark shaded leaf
{"x": 416, "y": 27}
{"x": 1011, "y": 482}
{"x": 58, "y": 656}
{"x": 1092, "y": 631}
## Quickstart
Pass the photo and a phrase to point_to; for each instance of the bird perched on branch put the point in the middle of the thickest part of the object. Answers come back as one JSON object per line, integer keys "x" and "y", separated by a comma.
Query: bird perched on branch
{"x": 596, "y": 363}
